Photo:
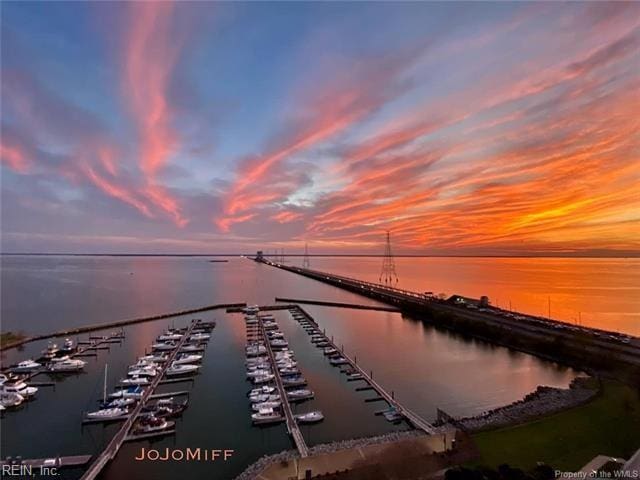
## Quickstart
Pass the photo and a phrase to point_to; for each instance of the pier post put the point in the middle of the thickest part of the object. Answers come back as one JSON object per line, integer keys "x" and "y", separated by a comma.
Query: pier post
{"x": 355, "y": 359}
{"x": 393, "y": 395}
{"x": 371, "y": 374}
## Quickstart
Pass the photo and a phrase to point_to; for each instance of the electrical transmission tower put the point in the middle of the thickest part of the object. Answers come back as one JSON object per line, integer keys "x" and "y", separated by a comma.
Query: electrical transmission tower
{"x": 388, "y": 272}
{"x": 282, "y": 256}
{"x": 306, "y": 263}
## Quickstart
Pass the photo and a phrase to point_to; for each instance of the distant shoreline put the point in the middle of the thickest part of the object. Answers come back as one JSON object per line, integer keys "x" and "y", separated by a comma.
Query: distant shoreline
{"x": 298, "y": 255}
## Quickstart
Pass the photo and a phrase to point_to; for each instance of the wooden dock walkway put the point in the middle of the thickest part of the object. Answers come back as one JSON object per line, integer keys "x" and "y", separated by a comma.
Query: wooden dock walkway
{"x": 292, "y": 425}
{"x": 58, "y": 462}
{"x": 122, "y": 435}
{"x": 412, "y": 417}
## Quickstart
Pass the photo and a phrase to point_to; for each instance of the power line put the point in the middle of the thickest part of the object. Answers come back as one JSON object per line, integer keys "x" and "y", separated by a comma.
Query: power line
{"x": 388, "y": 272}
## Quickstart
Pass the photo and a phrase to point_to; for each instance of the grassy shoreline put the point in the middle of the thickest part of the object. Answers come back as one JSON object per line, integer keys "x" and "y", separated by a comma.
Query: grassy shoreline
{"x": 609, "y": 424}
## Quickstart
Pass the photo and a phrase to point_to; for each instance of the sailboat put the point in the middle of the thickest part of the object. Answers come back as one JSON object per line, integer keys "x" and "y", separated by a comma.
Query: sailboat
{"x": 108, "y": 413}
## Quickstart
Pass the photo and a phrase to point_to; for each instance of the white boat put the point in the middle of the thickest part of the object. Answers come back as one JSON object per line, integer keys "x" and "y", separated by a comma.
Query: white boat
{"x": 119, "y": 402}
{"x": 191, "y": 348}
{"x": 338, "y": 361}
{"x": 164, "y": 346}
{"x": 185, "y": 359}
{"x": 68, "y": 346}
{"x": 197, "y": 337}
{"x": 169, "y": 336}
{"x": 279, "y": 343}
{"x": 153, "y": 358}
{"x": 263, "y": 379}
{"x": 251, "y": 309}
{"x": 258, "y": 373}
{"x": 8, "y": 400}
{"x": 135, "y": 380}
{"x": 302, "y": 394}
{"x": 264, "y": 397}
{"x": 3, "y": 378}
{"x": 143, "y": 371}
{"x": 19, "y": 387}
{"x": 267, "y": 404}
{"x": 174, "y": 369}
{"x": 131, "y": 392}
{"x": 51, "y": 350}
{"x": 67, "y": 365}
{"x": 268, "y": 415}
{"x": 262, "y": 390}
{"x": 309, "y": 417}
{"x": 26, "y": 366}
{"x": 108, "y": 413}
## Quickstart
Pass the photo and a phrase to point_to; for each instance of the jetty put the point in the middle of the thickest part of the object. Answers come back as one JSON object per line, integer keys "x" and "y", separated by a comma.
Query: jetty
{"x": 292, "y": 426}
{"x": 357, "y": 306}
{"x": 120, "y": 323}
{"x": 123, "y": 434}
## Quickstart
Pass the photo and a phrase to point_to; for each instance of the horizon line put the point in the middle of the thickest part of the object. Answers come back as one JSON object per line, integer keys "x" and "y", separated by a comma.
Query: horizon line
{"x": 357, "y": 255}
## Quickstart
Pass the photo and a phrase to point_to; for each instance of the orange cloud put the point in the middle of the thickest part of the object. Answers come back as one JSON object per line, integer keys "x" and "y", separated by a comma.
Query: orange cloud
{"x": 14, "y": 157}
{"x": 150, "y": 57}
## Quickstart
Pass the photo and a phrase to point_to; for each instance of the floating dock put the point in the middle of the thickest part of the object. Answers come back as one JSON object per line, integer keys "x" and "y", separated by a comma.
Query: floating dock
{"x": 413, "y": 418}
{"x": 292, "y": 425}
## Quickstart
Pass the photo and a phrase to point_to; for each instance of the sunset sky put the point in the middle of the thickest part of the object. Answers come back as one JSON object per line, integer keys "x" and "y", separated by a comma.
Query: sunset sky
{"x": 464, "y": 128}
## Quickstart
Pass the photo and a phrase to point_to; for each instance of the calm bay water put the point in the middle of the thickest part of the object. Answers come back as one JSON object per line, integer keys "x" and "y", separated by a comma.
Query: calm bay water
{"x": 426, "y": 368}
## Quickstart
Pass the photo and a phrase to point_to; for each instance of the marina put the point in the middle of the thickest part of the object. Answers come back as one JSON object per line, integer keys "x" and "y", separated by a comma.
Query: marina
{"x": 343, "y": 410}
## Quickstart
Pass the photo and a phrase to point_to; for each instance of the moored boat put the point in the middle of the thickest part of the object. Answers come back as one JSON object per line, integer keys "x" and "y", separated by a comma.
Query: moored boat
{"x": 309, "y": 417}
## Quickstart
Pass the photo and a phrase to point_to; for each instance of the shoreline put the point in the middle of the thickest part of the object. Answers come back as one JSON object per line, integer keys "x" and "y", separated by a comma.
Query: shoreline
{"x": 543, "y": 401}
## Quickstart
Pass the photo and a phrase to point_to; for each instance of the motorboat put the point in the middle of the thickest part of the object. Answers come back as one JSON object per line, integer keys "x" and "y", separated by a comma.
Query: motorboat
{"x": 68, "y": 346}
{"x": 329, "y": 351}
{"x": 392, "y": 415}
{"x": 131, "y": 392}
{"x": 184, "y": 359}
{"x": 164, "y": 346}
{"x": 3, "y": 378}
{"x": 157, "y": 358}
{"x": 258, "y": 373}
{"x": 10, "y": 399}
{"x": 118, "y": 402}
{"x": 263, "y": 405}
{"x": 67, "y": 365}
{"x": 279, "y": 343}
{"x": 323, "y": 344}
{"x": 262, "y": 390}
{"x": 354, "y": 375}
{"x": 19, "y": 387}
{"x": 299, "y": 395}
{"x": 264, "y": 397}
{"x": 192, "y": 348}
{"x": 267, "y": 415}
{"x": 113, "y": 413}
{"x": 251, "y": 309}
{"x": 26, "y": 366}
{"x": 151, "y": 424}
{"x": 143, "y": 371}
{"x": 309, "y": 417}
{"x": 294, "y": 381}
{"x": 169, "y": 335}
{"x": 199, "y": 337}
{"x": 174, "y": 369}
{"x": 166, "y": 408}
{"x": 289, "y": 372}
{"x": 263, "y": 379}
{"x": 51, "y": 351}
{"x": 135, "y": 380}
{"x": 339, "y": 361}
{"x": 256, "y": 350}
